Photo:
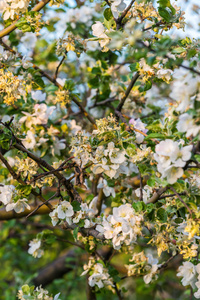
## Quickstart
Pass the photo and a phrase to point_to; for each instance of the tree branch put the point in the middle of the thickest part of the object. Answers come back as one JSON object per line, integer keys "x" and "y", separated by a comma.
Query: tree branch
{"x": 182, "y": 201}
{"x": 157, "y": 195}
{"x": 124, "y": 13}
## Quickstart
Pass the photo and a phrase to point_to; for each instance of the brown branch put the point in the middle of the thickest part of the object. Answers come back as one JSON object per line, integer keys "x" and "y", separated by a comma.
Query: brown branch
{"x": 99, "y": 201}
{"x": 8, "y": 215}
{"x": 90, "y": 293}
{"x": 56, "y": 269}
{"x": 171, "y": 195}
{"x": 118, "y": 292}
{"x": 41, "y": 175}
{"x": 128, "y": 90}
{"x": 157, "y": 195}
{"x": 39, "y": 206}
{"x": 153, "y": 26}
{"x": 13, "y": 26}
{"x": 85, "y": 231}
{"x": 59, "y": 65}
{"x": 141, "y": 188}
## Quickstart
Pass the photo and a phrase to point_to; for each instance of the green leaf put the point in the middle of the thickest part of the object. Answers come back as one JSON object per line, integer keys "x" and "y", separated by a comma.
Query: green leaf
{"x": 75, "y": 232}
{"x": 149, "y": 207}
{"x": 138, "y": 206}
{"x": 178, "y": 50}
{"x": 165, "y": 14}
{"x": 108, "y": 14}
{"x": 109, "y": 24}
{"x": 134, "y": 67}
{"x": 25, "y": 289}
{"x": 151, "y": 182}
{"x": 162, "y": 215}
{"x": 155, "y": 135}
{"x": 76, "y": 205}
{"x": 146, "y": 87}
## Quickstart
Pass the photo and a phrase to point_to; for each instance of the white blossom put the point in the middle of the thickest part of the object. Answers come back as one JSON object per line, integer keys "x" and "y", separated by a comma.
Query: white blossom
{"x": 35, "y": 248}
{"x": 186, "y": 124}
{"x": 188, "y": 272}
{"x": 18, "y": 206}
{"x": 29, "y": 142}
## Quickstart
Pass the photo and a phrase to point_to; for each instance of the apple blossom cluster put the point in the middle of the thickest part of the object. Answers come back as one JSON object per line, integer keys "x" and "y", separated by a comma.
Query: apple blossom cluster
{"x": 143, "y": 264}
{"x": 171, "y": 157}
{"x": 183, "y": 90}
{"x": 39, "y": 116}
{"x": 11, "y": 8}
{"x": 99, "y": 275}
{"x": 31, "y": 293}
{"x": 122, "y": 227}
{"x": 109, "y": 157}
{"x": 7, "y": 195}
{"x": 64, "y": 212}
{"x": 190, "y": 274}
{"x": 157, "y": 70}
{"x": 11, "y": 87}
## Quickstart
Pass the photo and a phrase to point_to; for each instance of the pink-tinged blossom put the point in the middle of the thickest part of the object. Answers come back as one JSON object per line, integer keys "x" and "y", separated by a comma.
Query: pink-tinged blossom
{"x": 138, "y": 124}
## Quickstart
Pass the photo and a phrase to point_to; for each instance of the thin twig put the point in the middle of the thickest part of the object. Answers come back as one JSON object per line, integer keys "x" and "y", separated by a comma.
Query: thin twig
{"x": 47, "y": 201}
{"x": 123, "y": 15}
{"x": 41, "y": 175}
{"x": 59, "y": 65}
{"x": 118, "y": 292}
{"x": 141, "y": 188}
{"x": 182, "y": 201}
{"x": 128, "y": 90}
